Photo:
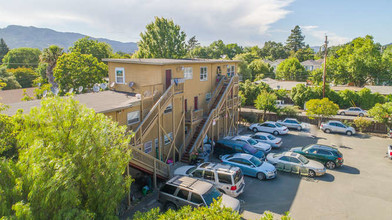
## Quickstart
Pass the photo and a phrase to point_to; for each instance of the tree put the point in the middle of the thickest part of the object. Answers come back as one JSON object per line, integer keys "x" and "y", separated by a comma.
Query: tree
{"x": 8, "y": 79}
{"x": 291, "y": 69}
{"x": 71, "y": 164}
{"x": 322, "y": 108}
{"x": 382, "y": 113}
{"x": 266, "y": 101}
{"x": 362, "y": 123}
{"x": 274, "y": 51}
{"x": 24, "y": 76}
{"x": 22, "y": 57}
{"x": 232, "y": 50}
{"x": 367, "y": 99}
{"x": 304, "y": 54}
{"x": 162, "y": 39}
{"x": 349, "y": 98}
{"x": 49, "y": 56}
{"x": 249, "y": 91}
{"x": 87, "y": 45}
{"x": 260, "y": 67}
{"x": 3, "y": 49}
{"x": 192, "y": 43}
{"x": 75, "y": 69}
{"x": 296, "y": 40}
{"x": 8, "y": 142}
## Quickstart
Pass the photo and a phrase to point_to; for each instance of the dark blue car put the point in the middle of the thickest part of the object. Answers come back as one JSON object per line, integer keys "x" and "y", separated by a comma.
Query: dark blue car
{"x": 227, "y": 146}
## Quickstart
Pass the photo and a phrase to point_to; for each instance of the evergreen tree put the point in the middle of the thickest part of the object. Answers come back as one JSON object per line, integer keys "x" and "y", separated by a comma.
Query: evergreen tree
{"x": 296, "y": 40}
{"x": 3, "y": 49}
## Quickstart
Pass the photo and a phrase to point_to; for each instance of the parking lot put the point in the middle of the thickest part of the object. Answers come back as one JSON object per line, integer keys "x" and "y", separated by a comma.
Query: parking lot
{"x": 361, "y": 189}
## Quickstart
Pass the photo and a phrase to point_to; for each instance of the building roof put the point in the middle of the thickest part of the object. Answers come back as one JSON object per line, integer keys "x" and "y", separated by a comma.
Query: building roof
{"x": 160, "y": 62}
{"x": 274, "y": 62}
{"x": 383, "y": 90}
{"x": 341, "y": 88}
{"x": 312, "y": 62}
{"x": 15, "y": 95}
{"x": 101, "y": 102}
{"x": 280, "y": 84}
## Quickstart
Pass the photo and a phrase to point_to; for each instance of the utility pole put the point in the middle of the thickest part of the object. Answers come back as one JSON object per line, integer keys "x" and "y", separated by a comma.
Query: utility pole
{"x": 325, "y": 63}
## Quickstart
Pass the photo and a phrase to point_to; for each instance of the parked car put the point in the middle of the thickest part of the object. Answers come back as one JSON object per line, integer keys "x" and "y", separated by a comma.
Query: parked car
{"x": 338, "y": 127}
{"x": 296, "y": 163}
{"x": 227, "y": 179}
{"x": 183, "y": 190}
{"x": 269, "y": 127}
{"x": 292, "y": 123}
{"x": 250, "y": 165}
{"x": 267, "y": 138}
{"x": 329, "y": 156}
{"x": 227, "y": 146}
{"x": 265, "y": 147}
{"x": 355, "y": 111}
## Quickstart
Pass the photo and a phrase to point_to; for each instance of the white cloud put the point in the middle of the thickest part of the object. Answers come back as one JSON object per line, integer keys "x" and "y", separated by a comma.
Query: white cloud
{"x": 333, "y": 38}
{"x": 229, "y": 20}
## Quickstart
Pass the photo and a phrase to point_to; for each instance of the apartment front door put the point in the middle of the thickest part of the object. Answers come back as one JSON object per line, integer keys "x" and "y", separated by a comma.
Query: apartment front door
{"x": 168, "y": 78}
{"x": 196, "y": 103}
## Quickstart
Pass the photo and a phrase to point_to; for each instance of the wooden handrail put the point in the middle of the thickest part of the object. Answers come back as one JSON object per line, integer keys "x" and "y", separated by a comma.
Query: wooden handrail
{"x": 216, "y": 92}
{"x": 150, "y": 163}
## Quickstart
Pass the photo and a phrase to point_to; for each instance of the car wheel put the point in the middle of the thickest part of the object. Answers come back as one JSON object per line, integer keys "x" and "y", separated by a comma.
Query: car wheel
{"x": 360, "y": 115}
{"x": 330, "y": 165}
{"x": 171, "y": 206}
{"x": 255, "y": 130}
{"x": 299, "y": 128}
{"x": 327, "y": 131}
{"x": 349, "y": 133}
{"x": 275, "y": 133}
{"x": 342, "y": 113}
{"x": 260, "y": 176}
{"x": 312, "y": 173}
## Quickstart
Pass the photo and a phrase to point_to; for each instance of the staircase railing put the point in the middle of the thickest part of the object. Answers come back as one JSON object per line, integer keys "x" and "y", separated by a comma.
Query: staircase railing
{"x": 216, "y": 92}
{"x": 150, "y": 163}
{"x": 213, "y": 113}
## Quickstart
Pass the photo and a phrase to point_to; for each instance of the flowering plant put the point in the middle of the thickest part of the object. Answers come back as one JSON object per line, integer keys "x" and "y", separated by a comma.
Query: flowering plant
{"x": 194, "y": 155}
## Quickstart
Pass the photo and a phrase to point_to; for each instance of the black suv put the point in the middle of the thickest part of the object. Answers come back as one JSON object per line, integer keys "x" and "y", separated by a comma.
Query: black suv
{"x": 227, "y": 146}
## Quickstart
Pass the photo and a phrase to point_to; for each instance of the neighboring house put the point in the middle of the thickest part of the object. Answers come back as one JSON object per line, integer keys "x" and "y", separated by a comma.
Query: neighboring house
{"x": 311, "y": 65}
{"x": 171, "y": 105}
{"x": 15, "y": 95}
{"x": 274, "y": 64}
{"x": 383, "y": 90}
{"x": 280, "y": 84}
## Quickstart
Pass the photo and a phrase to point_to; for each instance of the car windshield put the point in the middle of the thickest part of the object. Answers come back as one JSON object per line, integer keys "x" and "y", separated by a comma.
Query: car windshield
{"x": 278, "y": 125}
{"x": 271, "y": 137}
{"x": 306, "y": 148}
{"x": 212, "y": 194}
{"x": 252, "y": 141}
{"x": 303, "y": 159}
{"x": 256, "y": 161}
{"x": 190, "y": 170}
{"x": 249, "y": 149}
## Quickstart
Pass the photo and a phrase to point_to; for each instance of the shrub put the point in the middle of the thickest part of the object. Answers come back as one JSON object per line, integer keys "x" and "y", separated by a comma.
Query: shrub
{"x": 362, "y": 123}
{"x": 289, "y": 111}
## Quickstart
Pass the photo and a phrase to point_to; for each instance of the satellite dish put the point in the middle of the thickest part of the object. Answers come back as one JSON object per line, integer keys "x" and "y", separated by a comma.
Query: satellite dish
{"x": 71, "y": 90}
{"x": 131, "y": 84}
{"x": 112, "y": 84}
{"x": 96, "y": 88}
{"x": 104, "y": 86}
{"x": 44, "y": 93}
{"x": 80, "y": 89}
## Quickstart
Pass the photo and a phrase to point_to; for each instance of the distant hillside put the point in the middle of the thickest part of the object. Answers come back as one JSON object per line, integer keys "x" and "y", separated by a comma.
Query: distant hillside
{"x": 19, "y": 36}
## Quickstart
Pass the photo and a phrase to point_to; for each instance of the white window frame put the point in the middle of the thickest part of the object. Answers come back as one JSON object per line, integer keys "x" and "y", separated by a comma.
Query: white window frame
{"x": 123, "y": 75}
{"x": 148, "y": 147}
{"x": 203, "y": 76}
{"x": 230, "y": 70}
{"x": 137, "y": 113}
{"x": 166, "y": 140}
{"x": 188, "y": 73}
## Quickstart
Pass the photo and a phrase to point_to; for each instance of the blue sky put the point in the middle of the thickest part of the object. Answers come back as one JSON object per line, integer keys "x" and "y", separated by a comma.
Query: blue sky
{"x": 247, "y": 22}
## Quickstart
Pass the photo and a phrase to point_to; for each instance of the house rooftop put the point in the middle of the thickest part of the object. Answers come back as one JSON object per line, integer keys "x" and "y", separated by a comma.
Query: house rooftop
{"x": 312, "y": 62}
{"x": 161, "y": 62}
{"x": 280, "y": 84}
{"x": 15, "y": 95}
{"x": 101, "y": 102}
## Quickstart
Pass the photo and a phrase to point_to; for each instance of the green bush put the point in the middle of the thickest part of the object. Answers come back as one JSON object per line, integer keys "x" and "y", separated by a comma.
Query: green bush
{"x": 289, "y": 111}
{"x": 362, "y": 123}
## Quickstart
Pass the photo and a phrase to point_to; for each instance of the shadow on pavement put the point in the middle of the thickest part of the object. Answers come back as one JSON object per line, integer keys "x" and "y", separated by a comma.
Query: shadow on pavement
{"x": 348, "y": 169}
{"x": 362, "y": 136}
{"x": 326, "y": 178}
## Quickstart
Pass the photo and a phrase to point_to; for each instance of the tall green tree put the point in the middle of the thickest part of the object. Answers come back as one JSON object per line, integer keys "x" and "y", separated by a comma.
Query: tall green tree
{"x": 97, "y": 49}
{"x": 296, "y": 40}
{"x": 3, "y": 49}
{"x": 8, "y": 79}
{"x": 192, "y": 43}
{"x": 273, "y": 51}
{"x": 249, "y": 91}
{"x": 303, "y": 54}
{"x": 22, "y": 57}
{"x": 76, "y": 69}
{"x": 260, "y": 67}
{"x": 71, "y": 164}
{"x": 49, "y": 56}
{"x": 322, "y": 108}
{"x": 266, "y": 101}
{"x": 162, "y": 39}
{"x": 291, "y": 69}
{"x": 24, "y": 76}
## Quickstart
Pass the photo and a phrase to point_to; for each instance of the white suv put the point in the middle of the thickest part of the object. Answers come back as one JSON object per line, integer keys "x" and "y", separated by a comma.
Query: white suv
{"x": 227, "y": 179}
{"x": 338, "y": 127}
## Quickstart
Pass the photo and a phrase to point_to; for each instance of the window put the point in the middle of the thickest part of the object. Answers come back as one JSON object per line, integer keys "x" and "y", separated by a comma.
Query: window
{"x": 230, "y": 70}
{"x": 169, "y": 108}
{"x": 196, "y": 198}
{"x": 224, "y": 178}
{"x": 239, "y": 149}
{"x": 120, "y": 75}
{"x": 324, "y": 152}
{"x": 294, "y": 160}
{"x": 198, "y": 173}
{"x": 209, "y": 175}
{"x": 148, "y": 147}
{"x": 208, "y": 97}
{"x": 183, "y": 194}
{"x": 169, "y": 189}
{"x": 188, "y": 73}
{"x": 203, "y": 73}
{"x": 168, "y": 138}
{"x": 133, "y": 117}
{"x": 261, "y": 137}
{"x": 284, "y": 158}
